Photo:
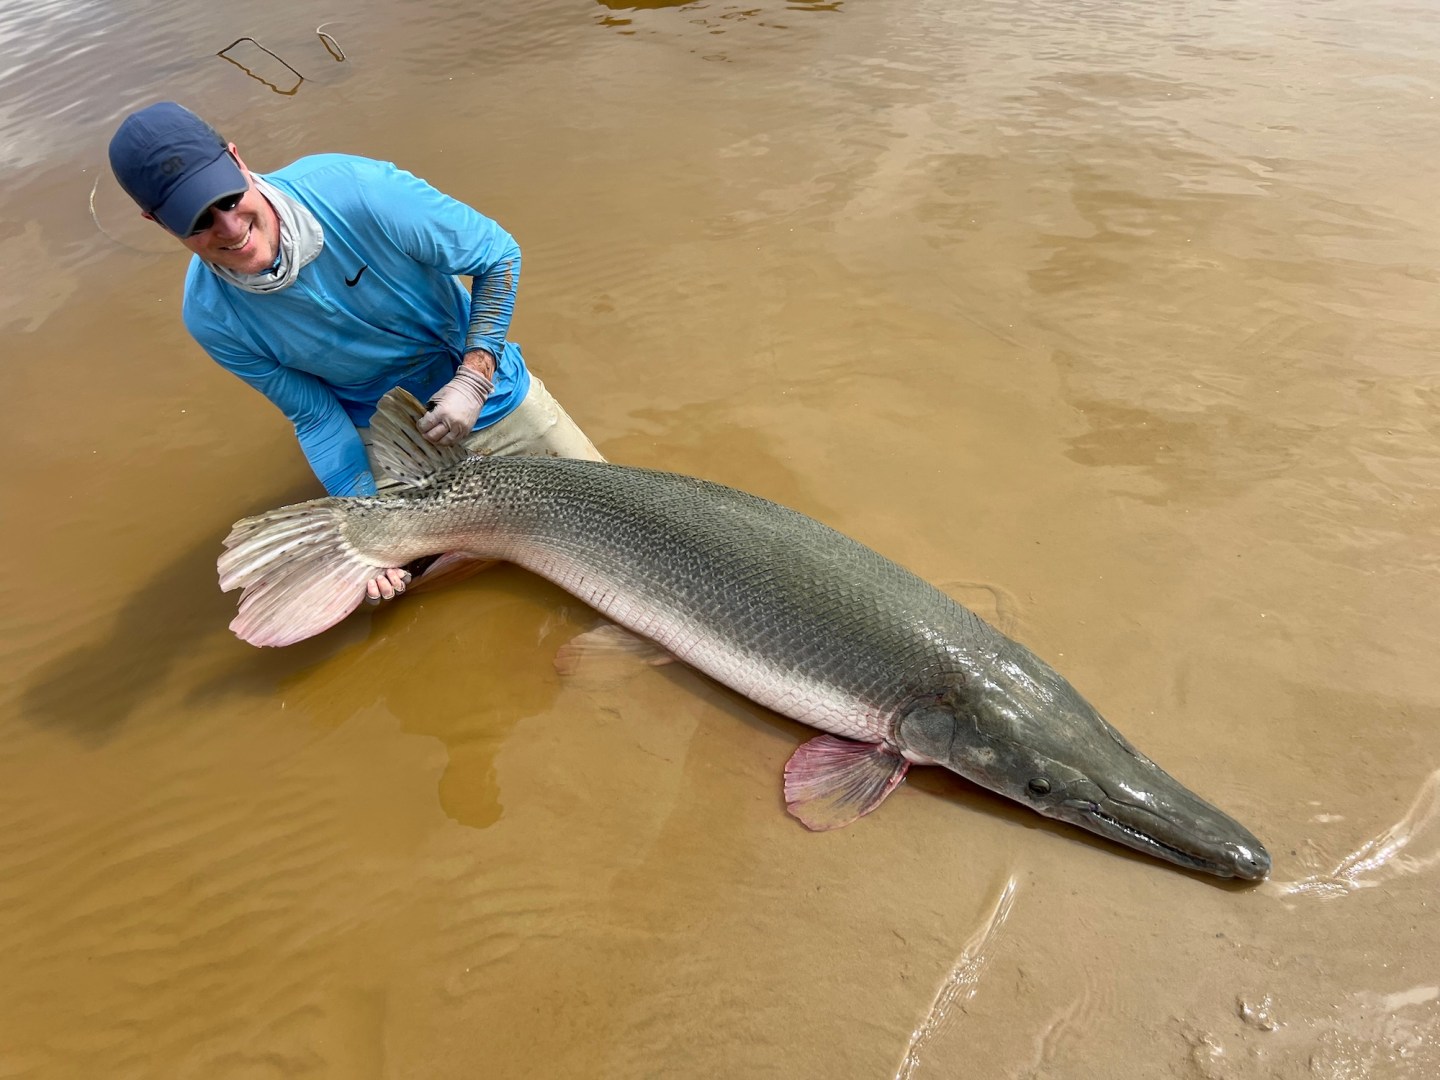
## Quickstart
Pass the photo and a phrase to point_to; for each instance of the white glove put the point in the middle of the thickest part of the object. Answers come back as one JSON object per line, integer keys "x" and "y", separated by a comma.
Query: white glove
{"x": 452, "y": 412}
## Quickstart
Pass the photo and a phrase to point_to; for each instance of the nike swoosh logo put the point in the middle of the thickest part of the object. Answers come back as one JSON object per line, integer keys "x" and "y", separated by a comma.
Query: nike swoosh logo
{"x": 353, "y": 281}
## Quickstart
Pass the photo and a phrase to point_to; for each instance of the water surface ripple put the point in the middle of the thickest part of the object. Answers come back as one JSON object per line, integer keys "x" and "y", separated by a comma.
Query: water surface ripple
{"x": 1116, "y": 319}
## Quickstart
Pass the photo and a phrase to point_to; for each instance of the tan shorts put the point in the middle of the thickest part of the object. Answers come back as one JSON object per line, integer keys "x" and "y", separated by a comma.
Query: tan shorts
{"x": 538, "y": 427}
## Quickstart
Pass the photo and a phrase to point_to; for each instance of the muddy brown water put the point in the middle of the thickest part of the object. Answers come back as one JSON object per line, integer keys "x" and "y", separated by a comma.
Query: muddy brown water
{"x": 1117, "y": 320}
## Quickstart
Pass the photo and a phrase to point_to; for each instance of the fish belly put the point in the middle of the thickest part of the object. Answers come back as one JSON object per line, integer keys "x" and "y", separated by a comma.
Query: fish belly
{"x": 750, "y": 671}
{"x": 771, "y": 603}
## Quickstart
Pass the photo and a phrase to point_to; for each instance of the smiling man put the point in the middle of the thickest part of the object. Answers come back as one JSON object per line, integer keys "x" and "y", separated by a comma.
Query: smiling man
{"x": 334, "y": 278}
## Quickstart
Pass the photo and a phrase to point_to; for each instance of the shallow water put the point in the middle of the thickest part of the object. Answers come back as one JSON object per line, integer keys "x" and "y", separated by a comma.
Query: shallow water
{"x": 1116, "y": 320}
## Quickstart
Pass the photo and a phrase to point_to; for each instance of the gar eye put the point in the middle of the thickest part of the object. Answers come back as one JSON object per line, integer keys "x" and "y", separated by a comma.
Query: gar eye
{"x": 1039, "y": 786}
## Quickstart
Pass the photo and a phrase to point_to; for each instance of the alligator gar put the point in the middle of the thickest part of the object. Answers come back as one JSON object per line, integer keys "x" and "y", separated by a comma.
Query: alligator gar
{"x": 767, "y": 601}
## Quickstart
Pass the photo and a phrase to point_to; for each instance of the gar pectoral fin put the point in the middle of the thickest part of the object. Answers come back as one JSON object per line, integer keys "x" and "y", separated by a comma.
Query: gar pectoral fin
{"x": 830, "y": 782}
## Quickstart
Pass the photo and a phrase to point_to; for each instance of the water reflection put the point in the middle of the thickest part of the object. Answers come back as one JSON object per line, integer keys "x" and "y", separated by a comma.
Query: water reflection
{"x": 1407, "y": 847}
{"x": 286, "y": 91}
{"x": 961, "y": 983}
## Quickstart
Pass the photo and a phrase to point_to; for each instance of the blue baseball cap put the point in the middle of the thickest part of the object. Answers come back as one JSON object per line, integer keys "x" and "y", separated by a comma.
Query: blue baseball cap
{"x": 173, "y": 164}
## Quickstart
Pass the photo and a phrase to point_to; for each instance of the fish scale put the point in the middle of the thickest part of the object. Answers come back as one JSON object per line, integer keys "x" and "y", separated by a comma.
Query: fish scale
{"x": 772, "y": 603}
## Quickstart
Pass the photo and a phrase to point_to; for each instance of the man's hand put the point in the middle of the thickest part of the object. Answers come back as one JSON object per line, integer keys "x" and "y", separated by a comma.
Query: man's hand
{"x": 452, "y": 412}
{"x": 386, "y": 585}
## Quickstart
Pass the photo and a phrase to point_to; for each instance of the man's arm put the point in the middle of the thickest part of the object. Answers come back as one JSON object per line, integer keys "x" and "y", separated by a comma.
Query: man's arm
{"x": 326, "y": 434}
{"x": 492, "y": 296}
{"x": 444, "y": 233}
{"x": 331, "y": 444}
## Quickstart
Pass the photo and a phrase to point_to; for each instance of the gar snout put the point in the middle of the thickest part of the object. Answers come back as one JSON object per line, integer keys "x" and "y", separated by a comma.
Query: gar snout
{"x": 1027, "y": 734}
{"x": 1161, "y": 817}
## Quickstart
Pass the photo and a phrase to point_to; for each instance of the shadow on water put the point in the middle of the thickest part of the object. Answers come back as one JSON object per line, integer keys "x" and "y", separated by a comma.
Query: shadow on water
{"x": 94, "y": 688}
{"x": 514, "y": 620}
{"x": 91, "y": 690}
{"x": 463, "y": 665}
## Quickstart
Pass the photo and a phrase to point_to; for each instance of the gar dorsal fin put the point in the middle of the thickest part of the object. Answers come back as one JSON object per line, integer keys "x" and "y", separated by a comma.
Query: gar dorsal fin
{"x": 399, "y": 449}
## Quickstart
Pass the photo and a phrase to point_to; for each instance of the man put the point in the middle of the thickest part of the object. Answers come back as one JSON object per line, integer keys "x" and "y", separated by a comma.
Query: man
{"x": 333, "y": 279}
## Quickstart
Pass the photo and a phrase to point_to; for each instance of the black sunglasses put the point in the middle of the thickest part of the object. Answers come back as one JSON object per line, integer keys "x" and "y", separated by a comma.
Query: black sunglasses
{"x": 206, "y": 219}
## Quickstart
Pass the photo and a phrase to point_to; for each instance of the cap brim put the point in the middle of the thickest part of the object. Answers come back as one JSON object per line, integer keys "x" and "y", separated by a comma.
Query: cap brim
{"x": 194, "y": 195}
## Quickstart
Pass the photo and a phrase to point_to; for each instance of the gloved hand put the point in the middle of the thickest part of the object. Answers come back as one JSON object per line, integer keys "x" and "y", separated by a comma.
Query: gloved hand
{"x": 386, "y": 585}
{"x": 452, "y": 412}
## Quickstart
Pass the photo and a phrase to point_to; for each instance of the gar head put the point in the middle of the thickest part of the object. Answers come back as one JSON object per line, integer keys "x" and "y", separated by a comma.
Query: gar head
{"x": 1021, "y": 730}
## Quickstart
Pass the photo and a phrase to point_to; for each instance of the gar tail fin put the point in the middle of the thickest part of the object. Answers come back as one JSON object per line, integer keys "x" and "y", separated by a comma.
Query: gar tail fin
{"x": 400, "y": 451}
{"x": 299, "y": 573}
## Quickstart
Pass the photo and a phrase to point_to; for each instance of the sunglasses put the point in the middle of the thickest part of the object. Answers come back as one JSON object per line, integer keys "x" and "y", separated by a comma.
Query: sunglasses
{"x": 207, "y": 219}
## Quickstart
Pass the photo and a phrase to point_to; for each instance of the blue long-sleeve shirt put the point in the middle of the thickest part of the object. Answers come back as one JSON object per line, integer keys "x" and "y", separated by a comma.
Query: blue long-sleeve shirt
{"x": 380, "y": 306}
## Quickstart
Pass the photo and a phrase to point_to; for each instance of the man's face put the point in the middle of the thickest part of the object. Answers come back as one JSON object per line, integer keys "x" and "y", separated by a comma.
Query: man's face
{"x": 244, "y": 239}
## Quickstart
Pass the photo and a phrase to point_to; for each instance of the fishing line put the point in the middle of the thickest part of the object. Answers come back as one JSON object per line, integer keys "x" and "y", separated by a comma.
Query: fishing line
{"x": 104, "y": 231}
{"x": 326, "y": 39}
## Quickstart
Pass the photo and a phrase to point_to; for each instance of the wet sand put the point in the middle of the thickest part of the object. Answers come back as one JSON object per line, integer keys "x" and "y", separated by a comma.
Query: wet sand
{"x": 1118, "y": 322}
